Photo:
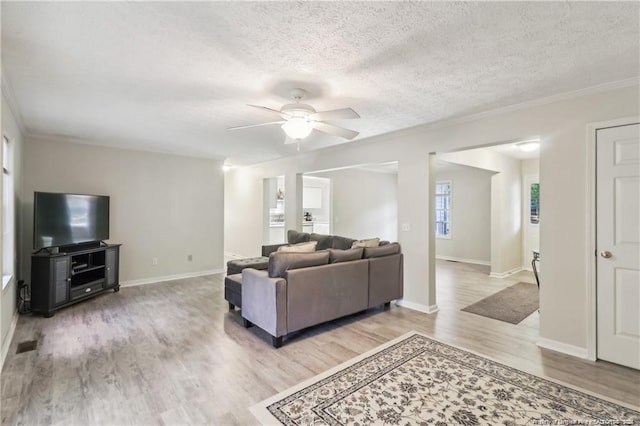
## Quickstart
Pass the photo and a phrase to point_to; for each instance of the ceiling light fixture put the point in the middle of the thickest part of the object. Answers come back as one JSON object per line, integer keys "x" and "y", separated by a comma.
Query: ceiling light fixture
{"x": 528, "y": 146}
{"x": 297, "y": 128}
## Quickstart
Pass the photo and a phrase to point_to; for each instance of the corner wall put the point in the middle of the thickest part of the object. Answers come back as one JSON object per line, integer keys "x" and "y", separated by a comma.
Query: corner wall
{"x": 8, "y": 296}
{"x": 162, "y": 206}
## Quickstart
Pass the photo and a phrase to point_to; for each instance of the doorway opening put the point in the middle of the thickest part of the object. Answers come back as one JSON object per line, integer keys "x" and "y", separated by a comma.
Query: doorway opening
{"x": 487, "y": 217}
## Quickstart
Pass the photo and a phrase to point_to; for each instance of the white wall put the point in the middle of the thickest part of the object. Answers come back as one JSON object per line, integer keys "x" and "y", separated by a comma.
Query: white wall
{"x": 561, "y": 125}
{"x": 162, "y": 206}
{"x": 506, "y": 205}
{"x": 365, "y": 203}
{"x": 8, "y": 296}
{"x": 470, "y": 215}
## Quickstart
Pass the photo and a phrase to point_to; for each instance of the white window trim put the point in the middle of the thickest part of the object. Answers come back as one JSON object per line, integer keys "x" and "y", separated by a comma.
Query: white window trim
{"x": 6, "y": 170}
{"x": 446, "y": 237}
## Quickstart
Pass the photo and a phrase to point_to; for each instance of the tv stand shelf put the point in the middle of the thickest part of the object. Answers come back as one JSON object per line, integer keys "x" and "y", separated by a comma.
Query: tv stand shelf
{"x": 62, "y": 279}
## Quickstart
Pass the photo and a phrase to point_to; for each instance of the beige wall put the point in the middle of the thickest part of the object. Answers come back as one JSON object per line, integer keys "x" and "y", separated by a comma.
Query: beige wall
{"x": 162, "y": 206}
{"x": 8, "y": 305}
{"x": 561, "y": 125}
{"x": 506, "y": 205}
{"x": 365, "y": 203}
{"x": 470, "y": 215}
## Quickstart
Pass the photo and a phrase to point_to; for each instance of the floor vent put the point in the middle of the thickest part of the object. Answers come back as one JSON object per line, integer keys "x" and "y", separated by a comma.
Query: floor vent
{"x": 27, "y": 346}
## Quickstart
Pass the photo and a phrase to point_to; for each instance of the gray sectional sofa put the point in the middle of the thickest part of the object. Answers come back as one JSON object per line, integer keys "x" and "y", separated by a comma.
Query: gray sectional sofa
{"x": 299, "y": 290}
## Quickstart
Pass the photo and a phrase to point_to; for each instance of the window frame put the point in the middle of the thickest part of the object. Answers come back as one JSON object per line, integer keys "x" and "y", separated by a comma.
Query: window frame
{"x": 8, "y": 212}
{"x": 530, "y": 198}
{"x": 448, "y": 210}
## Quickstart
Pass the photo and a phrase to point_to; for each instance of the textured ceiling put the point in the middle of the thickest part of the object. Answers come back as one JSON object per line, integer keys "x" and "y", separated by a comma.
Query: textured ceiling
{"x": 172, "y": 76}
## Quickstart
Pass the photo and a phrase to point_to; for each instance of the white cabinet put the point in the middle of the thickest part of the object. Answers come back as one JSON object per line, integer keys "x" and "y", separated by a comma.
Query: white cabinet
{"x": 307, "y": 227}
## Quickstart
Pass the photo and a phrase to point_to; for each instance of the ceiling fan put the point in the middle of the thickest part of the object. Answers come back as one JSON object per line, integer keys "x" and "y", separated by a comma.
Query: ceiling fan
{"x": 298, "y": 119}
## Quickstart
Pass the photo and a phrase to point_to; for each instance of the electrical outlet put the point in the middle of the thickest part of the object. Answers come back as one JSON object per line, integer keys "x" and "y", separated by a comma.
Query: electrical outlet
{"x": 154, "y": 261}
{"x": 189, "y": 257}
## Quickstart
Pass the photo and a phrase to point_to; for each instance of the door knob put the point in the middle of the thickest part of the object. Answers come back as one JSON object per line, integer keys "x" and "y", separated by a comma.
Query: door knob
{"x": 606, "y": 254}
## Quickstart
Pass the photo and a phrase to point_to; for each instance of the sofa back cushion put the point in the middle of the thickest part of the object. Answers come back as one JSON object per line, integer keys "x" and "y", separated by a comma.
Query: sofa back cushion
{"x": 281, "y": 262}
{"x": 324, "y": 241}
{"x": 295, "y": 237}
{"x": 386, "y": 250}
{"x": 308, "y": 247}
{"x": 371, "y": 242}
{"x": 341, "y": 243}
{"x": 337, "y": 255}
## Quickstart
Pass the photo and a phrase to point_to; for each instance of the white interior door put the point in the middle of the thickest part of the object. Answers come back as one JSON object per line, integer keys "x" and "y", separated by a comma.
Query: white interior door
{"x": 618, "y": 244}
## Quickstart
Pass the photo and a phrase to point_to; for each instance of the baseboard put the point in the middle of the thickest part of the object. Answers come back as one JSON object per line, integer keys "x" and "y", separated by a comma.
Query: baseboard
{"x": 7, "y": 341}
{"x": 460, "y": 259}
{"x": 417, "y": 306}
{"x": 154, "y": 280}
{"x": 563, "y": 348}
{"x": 505, "y": 274}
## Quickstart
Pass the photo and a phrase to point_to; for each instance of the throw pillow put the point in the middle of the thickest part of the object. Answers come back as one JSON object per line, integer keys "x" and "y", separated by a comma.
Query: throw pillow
{"x": 342, "y": 243}
{"x": 371, "y": 242}
{"x": 309, "y": 247}
{"x": 295, "y": 237}
{"x": 324, "y": 241}
{"x": 337, "y": 255}
{"x": 280, "y": 263}
{"x": 386, "y": 250}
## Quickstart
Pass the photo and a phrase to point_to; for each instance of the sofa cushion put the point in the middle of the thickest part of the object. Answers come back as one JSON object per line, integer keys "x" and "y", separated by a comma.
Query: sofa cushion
{"x": 324, "y": 241}
{"x": 281, "y": 262}
{"x": 337, "y": 255}
{"x": 386, "y": 250}
{"x": 371, "y": 242}
{"x": 341, "y": 243}
{"x": 295, "y": 237}
{"x": 307, "y": 247}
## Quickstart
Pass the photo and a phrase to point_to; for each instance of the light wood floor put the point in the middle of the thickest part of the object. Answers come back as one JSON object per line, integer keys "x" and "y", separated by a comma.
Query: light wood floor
{"x": 171, "y": 353}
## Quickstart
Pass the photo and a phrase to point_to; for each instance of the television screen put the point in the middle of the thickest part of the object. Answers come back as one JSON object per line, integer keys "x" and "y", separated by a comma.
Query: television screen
{"x": 66, "y": 219}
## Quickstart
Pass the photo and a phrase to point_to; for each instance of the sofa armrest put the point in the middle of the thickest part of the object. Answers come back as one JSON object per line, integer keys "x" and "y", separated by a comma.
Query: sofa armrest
{"x": 271, "y": 248}
{"x": 264, "y": 301}
{"x": 386, "y": 279}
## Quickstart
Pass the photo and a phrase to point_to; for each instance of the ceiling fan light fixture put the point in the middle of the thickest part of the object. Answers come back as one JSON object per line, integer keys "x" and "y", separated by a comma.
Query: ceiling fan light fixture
{"x": 297, "y": 128}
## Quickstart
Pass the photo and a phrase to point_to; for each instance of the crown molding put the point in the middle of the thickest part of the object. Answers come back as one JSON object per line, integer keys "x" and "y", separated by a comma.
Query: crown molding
{"x": 122, "y": 146}
{"x": 563, "y": 96}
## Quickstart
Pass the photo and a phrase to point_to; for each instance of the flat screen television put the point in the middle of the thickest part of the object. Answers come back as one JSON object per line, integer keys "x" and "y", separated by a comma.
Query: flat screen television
{"x": 69, "y": 219}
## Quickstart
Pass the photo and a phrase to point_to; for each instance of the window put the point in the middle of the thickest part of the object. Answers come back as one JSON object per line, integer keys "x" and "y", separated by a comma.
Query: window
{"x": 534, "y": 210}
{"x": 443, "y": 209}
{"x": 7, "y": 213}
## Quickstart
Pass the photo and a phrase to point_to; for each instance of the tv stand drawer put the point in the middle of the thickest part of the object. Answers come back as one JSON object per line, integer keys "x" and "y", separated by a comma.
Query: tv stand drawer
{"x": 83, "y": 290}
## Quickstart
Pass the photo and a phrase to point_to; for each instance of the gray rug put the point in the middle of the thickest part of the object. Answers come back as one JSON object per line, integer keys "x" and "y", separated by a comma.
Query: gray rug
{"x": 414, "y": 380}
{"x": 513, "y": 304}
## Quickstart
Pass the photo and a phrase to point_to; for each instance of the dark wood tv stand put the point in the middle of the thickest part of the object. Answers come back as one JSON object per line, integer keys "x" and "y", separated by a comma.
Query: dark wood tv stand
{"x": 68, "y": 277}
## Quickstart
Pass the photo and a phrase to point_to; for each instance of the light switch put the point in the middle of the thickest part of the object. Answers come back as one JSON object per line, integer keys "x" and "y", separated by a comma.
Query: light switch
{"x": 406, "y": 227}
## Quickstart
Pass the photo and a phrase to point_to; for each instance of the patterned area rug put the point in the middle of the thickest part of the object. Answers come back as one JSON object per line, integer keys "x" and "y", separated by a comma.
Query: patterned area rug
{"x": 415, "y": 380}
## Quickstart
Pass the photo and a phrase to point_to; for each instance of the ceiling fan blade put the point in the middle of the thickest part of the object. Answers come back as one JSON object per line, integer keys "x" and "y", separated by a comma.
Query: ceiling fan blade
{"x": 265, "y": 108}
{"x": 335, "y": 130}
{"x": 256, "y": 125}
{"x": 334, "y": 114}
